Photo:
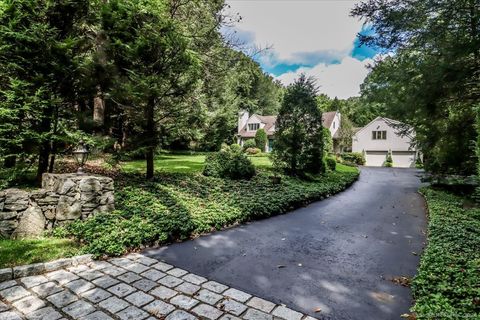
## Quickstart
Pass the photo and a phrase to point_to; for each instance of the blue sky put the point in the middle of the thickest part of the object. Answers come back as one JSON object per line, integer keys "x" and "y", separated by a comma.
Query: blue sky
{"x": 318, "y": 38}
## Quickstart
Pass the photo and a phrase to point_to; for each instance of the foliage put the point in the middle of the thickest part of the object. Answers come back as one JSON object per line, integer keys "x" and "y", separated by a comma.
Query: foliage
{"x": 178, "y": 206}
{"x": 228, "y": 163}
{"x": 355, "y": 157}
{"x": 432, "y": 80}
{"x": 253, "y": 151}
{"x": 418, "y": 163}
{"x": 446, "y": 286}
{"x": 331, "y": 163}
{"x": 39, "y": 80}
{"x": 250, "y": 143}
{"x": 299, "y": 148}
{"x": 389, "y": 160}
{"x": 261, "y": 139}
{"x": 327, "y": 141}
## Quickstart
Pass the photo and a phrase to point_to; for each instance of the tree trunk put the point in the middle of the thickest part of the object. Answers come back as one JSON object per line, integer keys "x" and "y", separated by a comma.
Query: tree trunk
{"x": 10, "y": 161}
{"x": 44, "y": 144}
{"x": 99, "y": 111}
{"x": 150, "y": 135}
{"x": 43, "y": 156}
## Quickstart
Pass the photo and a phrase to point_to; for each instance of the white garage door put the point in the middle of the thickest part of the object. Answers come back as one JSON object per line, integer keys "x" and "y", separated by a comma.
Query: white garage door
{"x": 375, "y": 158}
{"x": 403, "y": 159}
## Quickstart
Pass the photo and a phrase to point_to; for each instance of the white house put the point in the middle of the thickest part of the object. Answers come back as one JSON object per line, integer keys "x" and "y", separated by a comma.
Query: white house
{"x": 249, "y": 124}
{"x": 382, "y": 136}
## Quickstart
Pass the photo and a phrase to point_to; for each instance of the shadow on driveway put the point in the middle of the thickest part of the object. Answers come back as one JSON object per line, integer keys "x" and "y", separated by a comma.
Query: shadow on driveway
{"x": 335, "y": 255}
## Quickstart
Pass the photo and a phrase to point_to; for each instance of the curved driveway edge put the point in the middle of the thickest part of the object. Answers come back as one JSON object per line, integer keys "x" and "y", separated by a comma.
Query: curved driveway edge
{"x": 332, "y": 259}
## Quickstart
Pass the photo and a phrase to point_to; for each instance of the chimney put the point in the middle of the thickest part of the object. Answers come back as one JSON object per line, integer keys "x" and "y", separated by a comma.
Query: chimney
{"x": 242, "y": 119}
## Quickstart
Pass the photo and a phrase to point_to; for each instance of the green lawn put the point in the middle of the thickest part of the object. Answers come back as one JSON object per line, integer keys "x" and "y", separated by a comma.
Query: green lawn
{"x": 183, "y": 163}
{"x": 20, "y": 252}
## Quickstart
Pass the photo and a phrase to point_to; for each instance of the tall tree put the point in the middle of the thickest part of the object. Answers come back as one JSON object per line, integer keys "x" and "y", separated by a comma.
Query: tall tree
{"x": 39, "y": 55}
{"x": 156, "y": 65}
{"x": 299, "y": 131}
{"x": 432, "y": 79}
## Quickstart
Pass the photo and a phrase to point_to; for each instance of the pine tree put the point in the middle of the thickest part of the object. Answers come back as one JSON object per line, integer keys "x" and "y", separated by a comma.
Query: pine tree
{"x": 299, "y": 131}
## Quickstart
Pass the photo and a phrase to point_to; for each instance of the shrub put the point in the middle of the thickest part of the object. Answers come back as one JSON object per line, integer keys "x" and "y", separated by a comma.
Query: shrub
{"x": 261, "y": 139}
{"x": 252, "y": 151}
{"x": 250, "y": 143}
{"x": 355, "y": 157}
{"x": 418, "y": 163}
{"x": 235, "y": 147}
{"x": 389, "y": 160}
{"x": 331, "y": 163}
{"x": 229, "y": 163}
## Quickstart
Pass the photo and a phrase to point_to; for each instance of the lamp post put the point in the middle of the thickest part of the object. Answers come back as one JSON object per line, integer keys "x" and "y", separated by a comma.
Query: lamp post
{"x": 81, "y": 155}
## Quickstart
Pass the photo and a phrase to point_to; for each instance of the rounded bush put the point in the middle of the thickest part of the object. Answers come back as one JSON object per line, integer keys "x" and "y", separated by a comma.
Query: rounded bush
{"x": 229, "y": 163}
{"x": 355, "y": 157}
{"x": 250, "y": 143}
{"x": 331, "y": 163}
{"x": 253, "y": 150}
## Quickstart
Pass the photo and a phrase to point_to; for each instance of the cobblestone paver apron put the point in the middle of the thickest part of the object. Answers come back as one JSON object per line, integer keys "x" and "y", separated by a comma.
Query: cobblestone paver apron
{"x": 132, "y": 287}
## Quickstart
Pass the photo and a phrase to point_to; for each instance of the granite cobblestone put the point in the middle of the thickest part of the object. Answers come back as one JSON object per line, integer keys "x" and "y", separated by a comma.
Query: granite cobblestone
{"x": 130, "y": 287}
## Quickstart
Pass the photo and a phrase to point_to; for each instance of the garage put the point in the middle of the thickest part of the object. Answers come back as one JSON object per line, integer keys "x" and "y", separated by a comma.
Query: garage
{"x": 375, "y": 158}
{"x": 403, "y": 159}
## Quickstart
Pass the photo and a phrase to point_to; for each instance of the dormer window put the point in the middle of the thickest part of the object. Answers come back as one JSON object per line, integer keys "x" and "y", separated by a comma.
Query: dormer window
{"x": 253, "y": 126}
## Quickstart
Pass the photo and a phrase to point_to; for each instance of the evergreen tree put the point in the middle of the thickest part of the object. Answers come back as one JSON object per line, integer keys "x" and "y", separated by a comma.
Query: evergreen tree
{"x": 156, "y": 66}
{"x": 261, "y": 139}
{"x": 39, "y": 57}
{"x": 299, "y": 131}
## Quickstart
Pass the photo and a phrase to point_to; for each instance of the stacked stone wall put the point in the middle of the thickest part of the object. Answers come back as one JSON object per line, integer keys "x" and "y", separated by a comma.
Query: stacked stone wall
{"x": 62, "y": 199}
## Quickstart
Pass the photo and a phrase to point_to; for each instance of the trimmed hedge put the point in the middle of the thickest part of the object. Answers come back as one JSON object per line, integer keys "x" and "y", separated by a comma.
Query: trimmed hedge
{"x": 178, "y": 206}
{"x": 447, "y": 285}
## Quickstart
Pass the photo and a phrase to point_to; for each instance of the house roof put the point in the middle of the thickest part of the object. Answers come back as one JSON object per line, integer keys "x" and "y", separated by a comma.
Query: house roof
{"x": 327, "y": 118}
{"x": 390, "y": 122}
{"x": 269, "y": 121}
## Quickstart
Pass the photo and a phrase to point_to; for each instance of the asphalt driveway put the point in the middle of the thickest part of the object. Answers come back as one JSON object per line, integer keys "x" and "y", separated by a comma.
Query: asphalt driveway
{"x": 334, "y": 257}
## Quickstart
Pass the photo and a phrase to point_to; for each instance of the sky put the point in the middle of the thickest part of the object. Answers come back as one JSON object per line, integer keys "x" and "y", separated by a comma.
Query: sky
{"x": 315, "y": 37}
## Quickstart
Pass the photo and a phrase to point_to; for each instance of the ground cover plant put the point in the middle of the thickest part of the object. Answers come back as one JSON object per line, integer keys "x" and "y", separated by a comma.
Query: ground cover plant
{"x": 176, "y": 206}
{"x": 447, "y": 285}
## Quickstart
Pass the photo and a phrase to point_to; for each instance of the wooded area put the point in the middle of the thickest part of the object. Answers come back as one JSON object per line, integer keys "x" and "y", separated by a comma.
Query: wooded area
{"x": 126, "y": 76}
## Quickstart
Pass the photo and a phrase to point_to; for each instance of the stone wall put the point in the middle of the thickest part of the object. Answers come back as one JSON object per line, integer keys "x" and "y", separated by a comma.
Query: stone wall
{"x": 62, "y": 199}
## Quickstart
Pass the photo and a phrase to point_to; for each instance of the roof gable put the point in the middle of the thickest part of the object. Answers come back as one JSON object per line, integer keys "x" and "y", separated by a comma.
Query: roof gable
{"x": 327, "y": 118}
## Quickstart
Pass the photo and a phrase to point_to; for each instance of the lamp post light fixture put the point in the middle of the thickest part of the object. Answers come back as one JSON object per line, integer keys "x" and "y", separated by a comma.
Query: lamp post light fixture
{"x": 81, "y": 155}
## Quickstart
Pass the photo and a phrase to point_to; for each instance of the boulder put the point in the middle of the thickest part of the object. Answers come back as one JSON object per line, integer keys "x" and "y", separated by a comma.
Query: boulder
{"x": 31, "y": 223}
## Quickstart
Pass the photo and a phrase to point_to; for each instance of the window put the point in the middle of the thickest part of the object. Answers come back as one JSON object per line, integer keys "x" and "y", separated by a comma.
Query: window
{"x": 379, "y": 135}
{"x": 253, "y": 126}
{"x": 333, "y": 124}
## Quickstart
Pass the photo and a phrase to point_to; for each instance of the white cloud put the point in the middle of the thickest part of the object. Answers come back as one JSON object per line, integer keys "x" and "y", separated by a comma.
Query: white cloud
{"x": 296, "y": 29}
{"x": 336, "y": 80}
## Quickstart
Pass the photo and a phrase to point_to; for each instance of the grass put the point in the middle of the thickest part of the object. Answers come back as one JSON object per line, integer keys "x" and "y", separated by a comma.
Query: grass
{"x": 20, "y": 252}
{"x": 447, "y": 285}
{"x": 180, "y": 163}
{"x": 183, "y": 163}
